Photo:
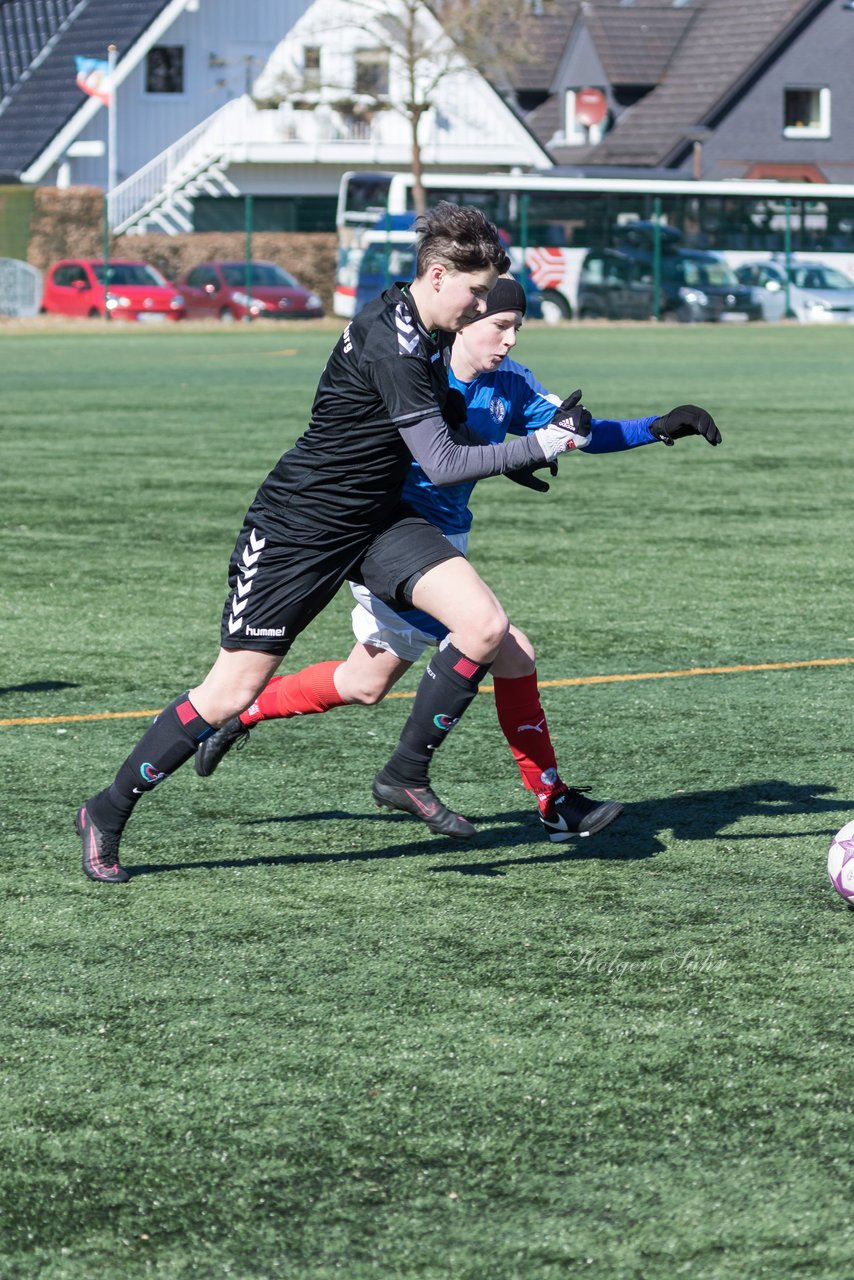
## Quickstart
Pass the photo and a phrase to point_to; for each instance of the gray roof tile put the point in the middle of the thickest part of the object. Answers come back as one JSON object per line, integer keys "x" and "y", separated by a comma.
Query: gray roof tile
{"x": 726, "y": 40}
{"x": 636, "y": 44}
{"x": 40, "y": 95}
{"x": 545, "y": 35}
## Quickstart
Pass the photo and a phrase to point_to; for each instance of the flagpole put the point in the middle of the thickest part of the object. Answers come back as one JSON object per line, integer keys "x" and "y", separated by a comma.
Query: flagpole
{"x": 111, "y": 152}
{"x": 112, "y": 52}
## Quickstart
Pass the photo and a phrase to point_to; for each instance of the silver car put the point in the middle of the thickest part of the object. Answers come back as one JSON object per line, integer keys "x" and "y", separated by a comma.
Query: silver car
{"x": 818, "y": 294}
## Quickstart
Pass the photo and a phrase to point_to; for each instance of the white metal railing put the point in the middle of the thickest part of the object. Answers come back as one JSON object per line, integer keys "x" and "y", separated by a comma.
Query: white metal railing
{"x": 168, "y": 171}
{"x": 239, "y": 132}
{"x": 226, "y": 135}
{"x": 322, "y": 124}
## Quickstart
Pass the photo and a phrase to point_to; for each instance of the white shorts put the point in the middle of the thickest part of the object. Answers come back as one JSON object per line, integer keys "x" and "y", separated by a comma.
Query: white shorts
{"x": 407, "y": 634}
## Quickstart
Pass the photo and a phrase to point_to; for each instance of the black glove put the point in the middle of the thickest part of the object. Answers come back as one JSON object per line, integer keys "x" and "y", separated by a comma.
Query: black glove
{"x": 528, "y": 480}
{"x": 687, "y": 420}
{"x": 570, "y": 414}
{"x": 454, "y": 408}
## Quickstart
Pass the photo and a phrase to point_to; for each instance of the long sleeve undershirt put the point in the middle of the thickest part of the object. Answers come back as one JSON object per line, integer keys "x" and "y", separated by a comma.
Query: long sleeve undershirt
{"x": 446, "y": 457}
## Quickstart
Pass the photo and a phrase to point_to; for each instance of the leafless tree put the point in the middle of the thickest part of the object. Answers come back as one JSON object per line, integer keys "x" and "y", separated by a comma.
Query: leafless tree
{"x": 429, "y": 43}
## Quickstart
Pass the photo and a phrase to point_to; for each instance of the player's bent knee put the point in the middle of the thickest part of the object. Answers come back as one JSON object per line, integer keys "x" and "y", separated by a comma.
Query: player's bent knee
{"x": 366, "y": 695}
{"x": 482, "y": 639}
{"x": 520, "y": 645}
{"x": 496, "y": 628}
{"x": 516, "y": 657}
{"x": 226, "y": 704}
{"x": 232, "y": 684}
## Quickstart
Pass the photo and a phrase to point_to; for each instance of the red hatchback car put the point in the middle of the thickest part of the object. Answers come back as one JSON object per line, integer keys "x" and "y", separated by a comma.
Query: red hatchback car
{"x": 234, "y": 290}
{"x": 120, "y": 290}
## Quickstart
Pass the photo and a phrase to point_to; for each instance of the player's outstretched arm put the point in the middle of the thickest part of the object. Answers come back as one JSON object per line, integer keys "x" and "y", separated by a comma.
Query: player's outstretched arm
{"x": 447, "y": 457}
{"x": 686, "y": 420}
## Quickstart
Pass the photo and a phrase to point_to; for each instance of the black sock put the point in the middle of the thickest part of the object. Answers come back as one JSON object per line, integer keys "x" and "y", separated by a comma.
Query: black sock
{"x": 169, "y": 742}
{"x": 447, "y": 687}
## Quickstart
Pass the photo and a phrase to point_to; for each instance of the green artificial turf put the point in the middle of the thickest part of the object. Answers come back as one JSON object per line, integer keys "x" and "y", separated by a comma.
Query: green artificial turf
{"x": 308, "y": 1039}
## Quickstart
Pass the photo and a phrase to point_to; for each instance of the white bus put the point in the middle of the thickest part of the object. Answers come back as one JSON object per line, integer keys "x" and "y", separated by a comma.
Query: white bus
{"x": 551, "y": 220}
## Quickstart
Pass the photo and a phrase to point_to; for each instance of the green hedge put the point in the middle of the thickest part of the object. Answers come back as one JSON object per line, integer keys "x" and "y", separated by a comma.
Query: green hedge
{"x": 69, "y": 224}
{"x": 16, "y": 208}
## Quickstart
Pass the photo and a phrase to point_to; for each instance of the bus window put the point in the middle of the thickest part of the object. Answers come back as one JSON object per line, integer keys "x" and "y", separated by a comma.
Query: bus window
{"x": 363, "y": 197}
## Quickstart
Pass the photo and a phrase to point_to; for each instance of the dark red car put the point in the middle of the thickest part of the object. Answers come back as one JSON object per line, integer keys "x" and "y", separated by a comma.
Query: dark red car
{"x": 233, "y": 290}
{"x": 122, "y": 290}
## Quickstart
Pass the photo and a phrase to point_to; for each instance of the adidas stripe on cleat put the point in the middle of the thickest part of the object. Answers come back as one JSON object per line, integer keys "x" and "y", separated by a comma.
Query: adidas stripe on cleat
{"x": 100, "y": 851}
{"x": 572, "y": 814}
{"x": 422, "y": 803}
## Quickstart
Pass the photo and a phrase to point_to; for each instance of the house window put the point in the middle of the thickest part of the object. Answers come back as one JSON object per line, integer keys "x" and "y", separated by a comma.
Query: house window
{"x": 164, "y": 69}
{"x": 311, "y": 66}
{"x": 806, "y": 113}
{"x": 372, "y": 72}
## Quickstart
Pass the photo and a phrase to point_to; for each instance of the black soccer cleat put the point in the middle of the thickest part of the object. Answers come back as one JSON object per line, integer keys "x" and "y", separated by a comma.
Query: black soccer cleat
{"x": 572, "y": 814}
{"x": 211, "y": 751}
{"x": 422, "y": 803}
{"x": 100, "y": 851}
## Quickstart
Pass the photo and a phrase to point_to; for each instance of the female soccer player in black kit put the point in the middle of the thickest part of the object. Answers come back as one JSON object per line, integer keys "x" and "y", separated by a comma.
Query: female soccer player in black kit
{"x": 330, "y": 510}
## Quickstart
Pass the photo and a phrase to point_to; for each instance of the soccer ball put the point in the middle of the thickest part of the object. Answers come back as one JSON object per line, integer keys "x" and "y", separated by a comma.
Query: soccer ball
{"x": 840, "y": 863}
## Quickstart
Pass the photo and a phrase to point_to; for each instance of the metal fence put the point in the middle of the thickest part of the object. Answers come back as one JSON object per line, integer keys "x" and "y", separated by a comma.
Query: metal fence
{"x": 20, "y": 288}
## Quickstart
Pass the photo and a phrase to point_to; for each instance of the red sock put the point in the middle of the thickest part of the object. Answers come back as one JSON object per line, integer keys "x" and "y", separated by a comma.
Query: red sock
{"x": 306, "y": 693}
{"x": 523, "y": 721}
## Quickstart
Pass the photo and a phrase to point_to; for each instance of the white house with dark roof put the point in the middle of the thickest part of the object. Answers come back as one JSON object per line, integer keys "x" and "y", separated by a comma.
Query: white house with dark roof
{"x": 187, "y": 129}
{"x": 711, "y": 88}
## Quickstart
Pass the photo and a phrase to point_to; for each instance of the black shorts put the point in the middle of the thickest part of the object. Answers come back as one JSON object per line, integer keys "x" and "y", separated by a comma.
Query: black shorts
{"x": 400, "y": 555}
{"x": 279, "y": 581}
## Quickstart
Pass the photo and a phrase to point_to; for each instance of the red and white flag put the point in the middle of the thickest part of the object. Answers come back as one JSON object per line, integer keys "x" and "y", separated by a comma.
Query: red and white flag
{"x": 93, "y": 77}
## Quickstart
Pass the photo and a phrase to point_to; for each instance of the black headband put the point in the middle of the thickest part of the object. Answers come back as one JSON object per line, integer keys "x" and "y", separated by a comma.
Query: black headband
{"x": 505, "y": 295}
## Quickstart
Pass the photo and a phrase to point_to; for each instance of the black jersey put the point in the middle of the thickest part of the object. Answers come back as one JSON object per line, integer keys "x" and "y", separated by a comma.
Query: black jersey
{"x": 345, "y": 474}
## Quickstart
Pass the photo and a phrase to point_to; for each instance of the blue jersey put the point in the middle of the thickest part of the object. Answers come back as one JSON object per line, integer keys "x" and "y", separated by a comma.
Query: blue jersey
{"x": 509, "y": 399}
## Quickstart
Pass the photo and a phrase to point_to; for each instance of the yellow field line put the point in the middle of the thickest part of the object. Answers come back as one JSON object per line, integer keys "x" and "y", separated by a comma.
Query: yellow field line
{"x": 98, "y": 715}
{"x": 488, "y": 688}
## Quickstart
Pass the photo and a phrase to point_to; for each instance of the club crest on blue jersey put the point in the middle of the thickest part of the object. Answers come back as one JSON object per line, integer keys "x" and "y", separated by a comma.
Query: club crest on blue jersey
{"x": 498, "y": 409}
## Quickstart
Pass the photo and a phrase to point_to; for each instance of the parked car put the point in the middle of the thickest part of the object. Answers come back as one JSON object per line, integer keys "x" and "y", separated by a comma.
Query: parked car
{"x": 617, "y": 284}
{"x": 233, "y": 290}
{"x": 119, "y": 289}
{"x": 818, "y": 294}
